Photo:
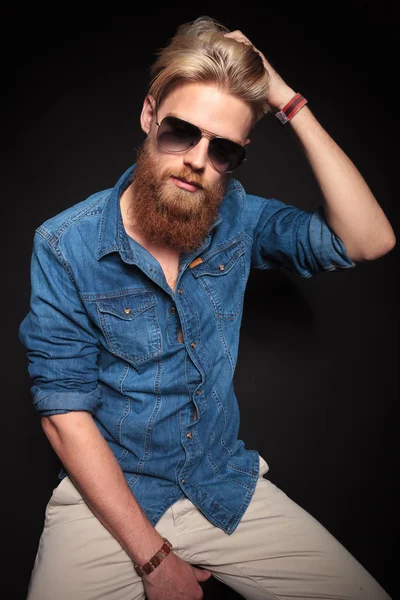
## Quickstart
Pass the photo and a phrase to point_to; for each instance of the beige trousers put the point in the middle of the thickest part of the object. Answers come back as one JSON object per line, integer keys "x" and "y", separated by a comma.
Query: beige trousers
{"x": 278, "y": 551}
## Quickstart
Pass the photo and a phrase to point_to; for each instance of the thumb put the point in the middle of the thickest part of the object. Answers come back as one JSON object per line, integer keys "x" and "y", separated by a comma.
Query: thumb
{"x": 201, "y": 574}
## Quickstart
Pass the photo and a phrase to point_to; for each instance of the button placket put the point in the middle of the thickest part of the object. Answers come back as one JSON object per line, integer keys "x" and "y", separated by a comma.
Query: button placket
{"x": 174, "y": 311}
{"x": 193, "y": 344}
{"x": 174, "y": 326}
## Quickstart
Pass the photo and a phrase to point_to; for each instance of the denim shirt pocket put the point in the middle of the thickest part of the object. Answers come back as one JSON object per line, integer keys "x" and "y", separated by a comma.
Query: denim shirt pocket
{"x": 222, "y": 276}
{"x": 130, "y": 326}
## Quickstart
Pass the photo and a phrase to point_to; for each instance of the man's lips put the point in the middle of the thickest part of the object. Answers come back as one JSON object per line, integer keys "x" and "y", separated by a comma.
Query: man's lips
{"x": 185, "y": 184}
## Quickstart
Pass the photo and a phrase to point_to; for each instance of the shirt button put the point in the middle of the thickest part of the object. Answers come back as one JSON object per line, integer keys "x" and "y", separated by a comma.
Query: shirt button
{"x": 193, "y": 345}
{"x": 179, "y": 291}
{"x": 189, "y": 435}
{"x": 173, "y": 310}
{"x": 221, "y": 267}
{"x": 198, "y": 392}
{"x": 183, "y": 480}
{"x": 127, "y": 311}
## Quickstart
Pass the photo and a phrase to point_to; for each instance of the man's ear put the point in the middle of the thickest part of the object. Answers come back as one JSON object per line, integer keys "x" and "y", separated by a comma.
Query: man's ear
{"x": 148, "y": 112}
{"x": 247, "y": 142}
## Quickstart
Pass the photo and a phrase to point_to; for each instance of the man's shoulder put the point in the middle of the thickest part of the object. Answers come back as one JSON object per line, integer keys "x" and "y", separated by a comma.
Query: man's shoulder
{"x": 237, "y": 197}
{"x": 235, "y": 191}
{"x": 75, "y": 215}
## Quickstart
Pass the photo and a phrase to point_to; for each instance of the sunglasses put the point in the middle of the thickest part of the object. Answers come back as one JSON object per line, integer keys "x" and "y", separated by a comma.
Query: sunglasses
{"x": 176, "y": 135}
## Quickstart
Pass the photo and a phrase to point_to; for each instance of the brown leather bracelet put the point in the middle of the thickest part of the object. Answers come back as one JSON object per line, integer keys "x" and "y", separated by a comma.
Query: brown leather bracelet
{"x": 159, "y": 556}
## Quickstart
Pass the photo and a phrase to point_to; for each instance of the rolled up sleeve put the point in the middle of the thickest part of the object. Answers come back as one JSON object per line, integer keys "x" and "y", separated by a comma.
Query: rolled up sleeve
{"x": 62, "y": 348}
{"x": 298, "y": 240}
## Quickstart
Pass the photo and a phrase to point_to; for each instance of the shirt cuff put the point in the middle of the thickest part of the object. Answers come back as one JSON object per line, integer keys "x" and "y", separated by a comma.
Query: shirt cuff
{"x": 49, "y": 402}
{"x": 328, "y": 249}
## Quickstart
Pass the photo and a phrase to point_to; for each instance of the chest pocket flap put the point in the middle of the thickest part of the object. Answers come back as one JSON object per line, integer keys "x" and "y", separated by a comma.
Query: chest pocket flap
{"x": 220, "y": 262}
{"x": 127, "y": 307}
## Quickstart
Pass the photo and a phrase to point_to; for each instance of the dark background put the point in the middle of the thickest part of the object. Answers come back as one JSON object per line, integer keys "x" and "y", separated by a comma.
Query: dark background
{"x": 317, "y": 378}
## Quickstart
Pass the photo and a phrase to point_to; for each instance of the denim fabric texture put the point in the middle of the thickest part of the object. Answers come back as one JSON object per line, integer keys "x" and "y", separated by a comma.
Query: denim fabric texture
{"x": 101, "y": 336}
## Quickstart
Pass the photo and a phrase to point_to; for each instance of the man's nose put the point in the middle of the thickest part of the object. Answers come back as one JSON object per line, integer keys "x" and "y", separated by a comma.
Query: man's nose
{"x": 197, "y": 156}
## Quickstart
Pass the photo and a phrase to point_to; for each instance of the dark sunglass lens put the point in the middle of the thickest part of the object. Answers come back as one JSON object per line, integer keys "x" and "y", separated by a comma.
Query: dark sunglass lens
{"x": 225, "y": 154}
{"x": 175, "y": 135}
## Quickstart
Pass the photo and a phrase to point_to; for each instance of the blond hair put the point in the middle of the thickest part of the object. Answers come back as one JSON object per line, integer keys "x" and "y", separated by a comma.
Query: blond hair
{"x": 199, "y": 52}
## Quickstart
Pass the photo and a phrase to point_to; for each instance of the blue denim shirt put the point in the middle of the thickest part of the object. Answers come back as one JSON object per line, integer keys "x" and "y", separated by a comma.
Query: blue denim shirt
{"x": 102, "y": 336}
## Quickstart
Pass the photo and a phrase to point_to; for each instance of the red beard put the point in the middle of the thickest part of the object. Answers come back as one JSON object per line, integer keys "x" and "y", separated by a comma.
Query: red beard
{"x": 168, "y": 215}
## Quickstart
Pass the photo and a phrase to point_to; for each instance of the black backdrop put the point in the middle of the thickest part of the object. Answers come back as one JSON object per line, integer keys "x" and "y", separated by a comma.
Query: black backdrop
{"x": 317, "y": 377}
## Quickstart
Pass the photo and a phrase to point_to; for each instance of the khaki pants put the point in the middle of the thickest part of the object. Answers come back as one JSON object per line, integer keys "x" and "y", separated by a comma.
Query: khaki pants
{"x": 278, "y": 551}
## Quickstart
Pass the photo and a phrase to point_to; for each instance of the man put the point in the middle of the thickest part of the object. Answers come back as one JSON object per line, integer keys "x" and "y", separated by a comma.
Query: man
{"x": 132, "y": 339}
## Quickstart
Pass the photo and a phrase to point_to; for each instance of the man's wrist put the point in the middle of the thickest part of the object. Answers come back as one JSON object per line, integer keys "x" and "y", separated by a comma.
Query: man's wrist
{"x": 281, "y": 100}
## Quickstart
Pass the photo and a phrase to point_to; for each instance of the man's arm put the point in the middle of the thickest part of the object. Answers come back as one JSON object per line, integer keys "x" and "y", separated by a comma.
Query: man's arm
{"x": 63, "y": 349}
{"x": 350, "y": 208}
{"x": 94, "y": 470}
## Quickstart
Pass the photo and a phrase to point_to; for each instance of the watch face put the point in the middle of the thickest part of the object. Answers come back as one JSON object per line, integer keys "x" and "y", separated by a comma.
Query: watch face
{"x": 282, "y": 117}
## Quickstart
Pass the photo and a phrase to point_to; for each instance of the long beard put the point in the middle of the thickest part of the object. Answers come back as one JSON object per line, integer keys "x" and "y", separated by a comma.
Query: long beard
{"x": 168, "y": 215}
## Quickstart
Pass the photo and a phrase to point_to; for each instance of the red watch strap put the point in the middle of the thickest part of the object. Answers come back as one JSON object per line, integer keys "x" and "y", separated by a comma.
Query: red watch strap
{"x": 291, "y": 108}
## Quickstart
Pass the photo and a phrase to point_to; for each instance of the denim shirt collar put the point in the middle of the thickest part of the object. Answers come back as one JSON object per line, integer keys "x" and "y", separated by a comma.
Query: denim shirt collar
{"x": 112, "y": 234}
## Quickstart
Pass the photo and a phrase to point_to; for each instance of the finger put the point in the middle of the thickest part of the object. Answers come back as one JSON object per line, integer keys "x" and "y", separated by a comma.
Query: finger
{"x": 201, "y": 574}
{"x": 234, "y": 33}
{"x": 239, "y": 37}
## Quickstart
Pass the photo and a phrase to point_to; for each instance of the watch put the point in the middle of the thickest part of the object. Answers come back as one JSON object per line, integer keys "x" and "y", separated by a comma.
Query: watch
{"x": 291, "y": 108}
